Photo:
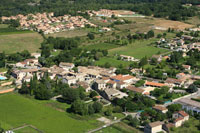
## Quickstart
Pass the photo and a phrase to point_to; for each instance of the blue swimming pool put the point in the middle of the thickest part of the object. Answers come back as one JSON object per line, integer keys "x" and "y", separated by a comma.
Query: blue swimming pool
{"x": 2, "y": 78}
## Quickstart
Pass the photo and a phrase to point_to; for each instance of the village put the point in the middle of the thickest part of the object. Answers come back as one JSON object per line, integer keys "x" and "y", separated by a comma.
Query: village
{"x": 158, "y": 93}
{"x": 47, "y": 23}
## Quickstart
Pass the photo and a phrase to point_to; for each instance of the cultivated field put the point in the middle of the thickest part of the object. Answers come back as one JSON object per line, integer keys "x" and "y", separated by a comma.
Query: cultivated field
{"x": 16, "y": 110}
{"x": 145, "y": 24}
{"x": 102, "y": 46}
{"x": 18, "y": 42}
{"x": 138, "y": 49}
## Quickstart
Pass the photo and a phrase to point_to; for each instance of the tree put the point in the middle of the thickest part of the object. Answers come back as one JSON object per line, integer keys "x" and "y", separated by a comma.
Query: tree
{"x": 174, "y": 107}
{"x": 79, "y": 107}
{"x": 139, "y": 83}
{"x": 42, "y": 92}
{"x": 91, "y": 36}
{"x": 192, "y": 88}
{"x": 1, "y": 129}
{"x": 91, "y": 109}
{"x": 93, "y": 94}
{"x": 150, "y": 34}
{"x": 70, "y": 94}
{"x": 108, "y": 112}
{"x": 134, "y": 122}
{"x": 143, "y": 61}
{"x": 97, "y": 107}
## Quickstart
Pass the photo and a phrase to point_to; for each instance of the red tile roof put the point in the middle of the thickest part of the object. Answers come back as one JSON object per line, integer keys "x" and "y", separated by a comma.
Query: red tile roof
{"x": 158, "y": 107}
{"x": 111, "y": 82}
{"x": 178, "y": 119}
{"x": 183, "y": 113}
{"x": 154, "y": 84}
{"x": 132, "y": 88}
{"x": 122, "y": 77}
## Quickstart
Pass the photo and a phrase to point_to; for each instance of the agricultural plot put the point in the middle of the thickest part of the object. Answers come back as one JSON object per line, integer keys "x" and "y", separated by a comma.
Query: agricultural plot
{"x": 16, "y": 110}
{"x": 101, "y": 46}
{"x": 18, "y": 42}
{"x": 138, "y": 49}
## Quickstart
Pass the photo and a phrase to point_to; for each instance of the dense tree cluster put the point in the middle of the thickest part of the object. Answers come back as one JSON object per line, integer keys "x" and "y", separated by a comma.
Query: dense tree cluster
{"x": 159, "y": 8}
{"x": 134, "y": 102}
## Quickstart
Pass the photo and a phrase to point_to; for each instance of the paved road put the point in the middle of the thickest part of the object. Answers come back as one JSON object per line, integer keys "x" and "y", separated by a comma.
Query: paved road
{"x": 106, "y": 125}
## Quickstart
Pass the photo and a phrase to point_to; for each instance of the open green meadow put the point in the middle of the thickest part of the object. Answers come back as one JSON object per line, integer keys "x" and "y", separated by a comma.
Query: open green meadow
{"x": 102, "y": 46}
{"x": 138, "y": 49}
{"x": 112, "y": 61}
{"x": 47, "y": 116}
{"x": 119, "y": 128}
{"x": 18, "y": 42}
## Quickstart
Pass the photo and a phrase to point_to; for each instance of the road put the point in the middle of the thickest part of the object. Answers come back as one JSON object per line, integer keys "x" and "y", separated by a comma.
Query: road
{"x": 106, "y": 125}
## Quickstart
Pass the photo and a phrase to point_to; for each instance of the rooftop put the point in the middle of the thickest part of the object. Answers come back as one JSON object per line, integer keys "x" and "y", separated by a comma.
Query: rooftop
{"x": 155, "y": 124}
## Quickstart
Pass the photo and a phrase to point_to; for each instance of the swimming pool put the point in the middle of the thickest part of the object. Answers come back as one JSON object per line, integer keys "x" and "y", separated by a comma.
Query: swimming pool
{"x": 2, "y": 78}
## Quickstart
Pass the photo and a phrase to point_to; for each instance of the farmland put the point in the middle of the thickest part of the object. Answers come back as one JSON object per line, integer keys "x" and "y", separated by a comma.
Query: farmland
{"x": 17, "y": 110}
{"x": 138, "y": 49}
{"x": 18, "y": 42}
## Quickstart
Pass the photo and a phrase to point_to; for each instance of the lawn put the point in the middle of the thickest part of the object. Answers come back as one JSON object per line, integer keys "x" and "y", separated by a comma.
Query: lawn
{"x": 17, "y": 110}
{"x": 119, "y": 128}
{"x": 19, "y": 42}
{"x": 138, "y": 49}
{"x": 102, "y": 46}
{"x": 26, "y": 130}
{"x": 113, "y": 62}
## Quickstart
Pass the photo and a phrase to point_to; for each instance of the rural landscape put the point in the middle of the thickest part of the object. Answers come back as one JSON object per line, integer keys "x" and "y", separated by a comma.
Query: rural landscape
{"x": 87, "y": 66}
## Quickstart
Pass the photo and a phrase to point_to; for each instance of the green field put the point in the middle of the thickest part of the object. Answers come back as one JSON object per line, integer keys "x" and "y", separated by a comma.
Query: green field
{"x": 19, "y": 42}
{"x": 119, "y": 128}
{"x": 16, "y": 110}
{"x": 138, "y": 49}
{"x": 26, "y": 130}
{"x": 102, "y": 46}
{"x": 113, "y": 61}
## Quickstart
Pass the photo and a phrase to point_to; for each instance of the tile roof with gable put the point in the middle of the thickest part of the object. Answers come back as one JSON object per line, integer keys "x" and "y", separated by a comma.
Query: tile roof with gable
{"x": 135, "y": 89}
{"x": 172, "y": 80}
{"x": 178, "y": 119}
{"x": 154, "y": 84}
{"x": 111, "y": 82}
{"x": 155, "y": 124}
{"x": 158, "y": 107}
{"x": 122, "y": 77}
{"x": 183, "y": 113}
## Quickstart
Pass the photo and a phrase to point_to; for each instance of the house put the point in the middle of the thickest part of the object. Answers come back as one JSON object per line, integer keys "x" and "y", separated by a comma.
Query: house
{"x": 125, "y": 78}
{"x": 160, "y": 108}
{"x": 66, "y": 66}
{"x": 153, "y": 127}
{"x": 70, "y": 80}
{"x": 110, "y": 94}
{"x": 180, "y": 117}
{"x": 157, "y": 57}
{"x": 36, "y": 55}
{"x": 167, "y": 127}
{"x": 127, "y": 58}
{"x": 136, "y": 90}
{"x": 154, "y": 84}
{"x": 190, "y": 105}
{"x": 186, "y": 67}
{"x": 99, "y": 85}
{"x": 173, "y": 82}
{"x": 85, "y": 85}
{"x": 121, "y": 85}
{"x": 111, "y": 84}
{"x": 20, "y": 64}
